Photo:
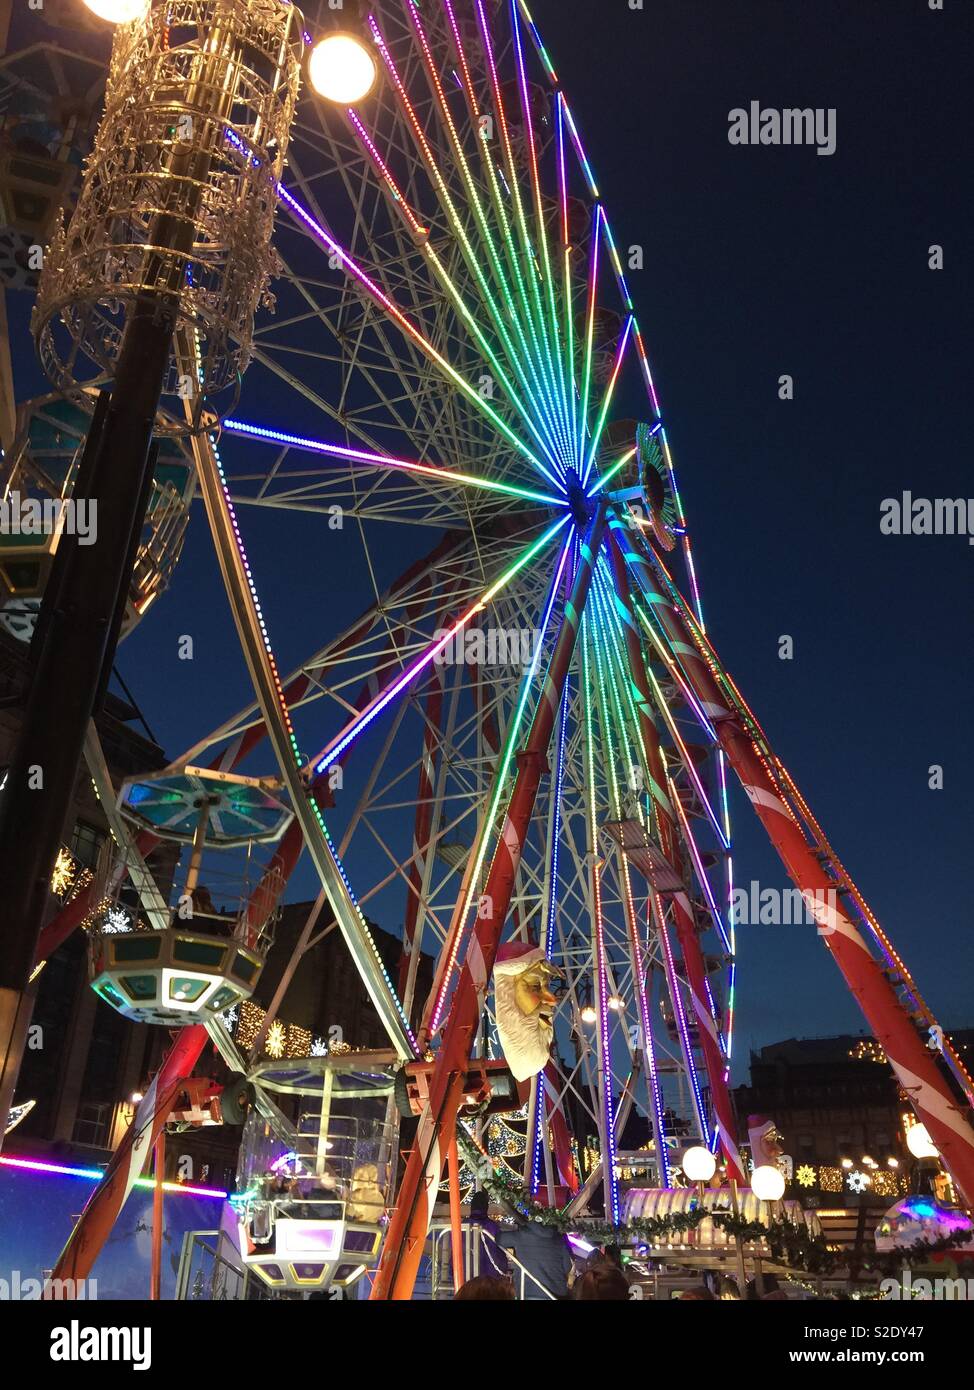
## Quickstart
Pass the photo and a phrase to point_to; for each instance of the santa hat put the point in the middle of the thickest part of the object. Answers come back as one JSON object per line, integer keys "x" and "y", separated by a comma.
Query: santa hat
{"x": 515, "y": 956}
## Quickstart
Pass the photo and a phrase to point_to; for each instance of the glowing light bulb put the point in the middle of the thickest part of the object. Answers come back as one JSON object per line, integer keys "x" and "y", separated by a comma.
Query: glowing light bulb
{"x": 118, "y": 11}
{"x": 919, "y": 1143}
{"x": 589, "y": 1015}
{"x": 768, "y": 1183}
{"x": 341, "y": 68}
{"x": 699, "y": 1164}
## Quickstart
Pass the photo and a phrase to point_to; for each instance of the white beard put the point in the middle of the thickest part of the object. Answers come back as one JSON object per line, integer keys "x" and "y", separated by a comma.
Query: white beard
{"x": 525, "y": 1038}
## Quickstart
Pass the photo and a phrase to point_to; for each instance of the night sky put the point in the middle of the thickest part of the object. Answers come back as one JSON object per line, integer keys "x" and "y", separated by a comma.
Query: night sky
{"x": 759, "y": 262}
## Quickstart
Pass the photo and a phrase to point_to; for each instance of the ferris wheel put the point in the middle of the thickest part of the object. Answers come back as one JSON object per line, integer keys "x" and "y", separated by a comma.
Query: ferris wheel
{"x": 512, "y": 729}
{"x": 454, "y": 313}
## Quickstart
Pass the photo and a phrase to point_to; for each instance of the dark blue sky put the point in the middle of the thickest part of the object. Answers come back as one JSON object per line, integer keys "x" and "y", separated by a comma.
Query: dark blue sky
{"x": 759, "y": 262}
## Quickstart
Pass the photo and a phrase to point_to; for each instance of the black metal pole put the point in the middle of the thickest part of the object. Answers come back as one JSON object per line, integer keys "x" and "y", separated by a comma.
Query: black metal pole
{"x": 77, "y": 632}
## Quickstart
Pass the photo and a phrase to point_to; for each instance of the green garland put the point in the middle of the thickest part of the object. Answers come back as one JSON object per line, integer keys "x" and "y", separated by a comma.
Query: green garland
{"x": 787, "y": 1242}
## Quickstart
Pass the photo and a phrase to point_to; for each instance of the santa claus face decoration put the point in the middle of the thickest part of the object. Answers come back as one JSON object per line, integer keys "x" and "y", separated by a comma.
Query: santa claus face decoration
{"x": 524, "y": 1009}
{"x": 532, "y": 994}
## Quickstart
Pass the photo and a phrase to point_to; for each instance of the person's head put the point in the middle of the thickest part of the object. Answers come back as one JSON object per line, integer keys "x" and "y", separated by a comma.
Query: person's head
{"x": 486, "y": 1288}
{"x": 479, "y": 1204}
{"x": 700, "y": 1295}
{"x": 728, "y": 1291}
{"x": 602, "y": 1282}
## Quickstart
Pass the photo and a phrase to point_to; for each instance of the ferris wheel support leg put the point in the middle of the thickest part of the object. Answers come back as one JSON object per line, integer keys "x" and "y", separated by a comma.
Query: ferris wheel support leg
{"x": 409, "y": 1226}
{"x": 921, "y": 1080}
{"x": 686, "y": 930}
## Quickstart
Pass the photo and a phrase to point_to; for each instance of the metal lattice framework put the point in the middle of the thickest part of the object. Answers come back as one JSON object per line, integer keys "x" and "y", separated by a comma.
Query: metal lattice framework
{"x": 198, "y": 104}
{"x": 527, "y": 734}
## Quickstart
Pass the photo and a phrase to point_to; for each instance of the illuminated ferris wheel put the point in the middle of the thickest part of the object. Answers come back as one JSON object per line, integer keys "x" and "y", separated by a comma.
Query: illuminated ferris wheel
{"x": 512, "y": 731}
{"x": 454, "y": 313}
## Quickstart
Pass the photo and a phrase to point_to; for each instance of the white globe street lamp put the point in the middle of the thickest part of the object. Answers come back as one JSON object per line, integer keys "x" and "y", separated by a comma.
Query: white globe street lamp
{"x": 341, "y": 68}
{"x": 118, "y": 11}
{"x": 767, "y": 1183}
{"x": 919, "y": 1143}
{"x": 699, "y": 1164}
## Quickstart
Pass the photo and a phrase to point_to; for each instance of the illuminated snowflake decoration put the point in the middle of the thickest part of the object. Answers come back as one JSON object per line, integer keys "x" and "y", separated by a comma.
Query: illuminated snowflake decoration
{"x": 229, "y": 1018}
{"x": 858, "y": 1182}
{"x": 276, "y": 1039}
{"x": 63, "y": 875}
{"x": 116, "y": 919}
{"x": 806, "y": 1175}
{"x": 319, "y": 1048}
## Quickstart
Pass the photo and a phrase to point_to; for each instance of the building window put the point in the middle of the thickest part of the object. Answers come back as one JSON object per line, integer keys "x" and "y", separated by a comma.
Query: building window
{"x": 86, "y": 842}
{"x": 91, "y": 1126}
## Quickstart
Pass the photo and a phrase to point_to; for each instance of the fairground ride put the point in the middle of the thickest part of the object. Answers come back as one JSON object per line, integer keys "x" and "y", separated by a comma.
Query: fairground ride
{"x": 526, "y": 735}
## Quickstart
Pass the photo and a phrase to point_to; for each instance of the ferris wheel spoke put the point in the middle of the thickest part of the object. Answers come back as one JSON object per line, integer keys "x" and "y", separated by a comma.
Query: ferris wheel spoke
{"x": 531, "y": 417}
{"x": 606, "y": 406}
{"x": 342, "y": 740}
{"x": 540, "y": 218}
{"x": 531, "y": 270}
{"x": 591, "y": 300}
{"x": 537, "y": 415}
{"x": 540, "y": 364}
{"x": 356, "y": 193}
{"x": 572, "y": 384}
{"x": 609, "y": 706}
{"x": 409, "y": 328}
{"x": 382, "y": 461}
{"x": 478, "y": 858}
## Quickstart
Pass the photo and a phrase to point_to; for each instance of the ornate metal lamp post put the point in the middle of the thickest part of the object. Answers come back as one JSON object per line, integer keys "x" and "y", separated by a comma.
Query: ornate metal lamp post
{"x": 170, "y": 242}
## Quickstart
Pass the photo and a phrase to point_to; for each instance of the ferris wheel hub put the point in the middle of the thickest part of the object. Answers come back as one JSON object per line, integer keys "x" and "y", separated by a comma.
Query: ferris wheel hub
{"x": 580, "y": 505}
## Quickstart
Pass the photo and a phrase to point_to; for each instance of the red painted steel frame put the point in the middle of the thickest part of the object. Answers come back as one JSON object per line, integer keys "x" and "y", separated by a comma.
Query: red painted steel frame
{"x": 409, "y": 1226}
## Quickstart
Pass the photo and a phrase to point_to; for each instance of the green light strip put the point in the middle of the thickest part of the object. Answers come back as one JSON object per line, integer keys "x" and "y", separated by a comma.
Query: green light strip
{"x": 530, "y": 261}
{"x": 487, "y": 828}
{"x": 469, "y": 255}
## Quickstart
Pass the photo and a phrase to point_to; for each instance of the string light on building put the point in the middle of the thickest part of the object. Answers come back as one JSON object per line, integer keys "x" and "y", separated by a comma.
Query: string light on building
{"x": 249, "y": 1025}
{"x": 298, "y": 1042}
{"x": 282, "y": 1040}
{"x": 116, "y": 920}
{"x": 868, "y": 1050}
{"x": 276, "y": 1040}
{"x": 886, "y": 1184}
{"x": 63, "y": 874}
{"x": 831, "y": 1179}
